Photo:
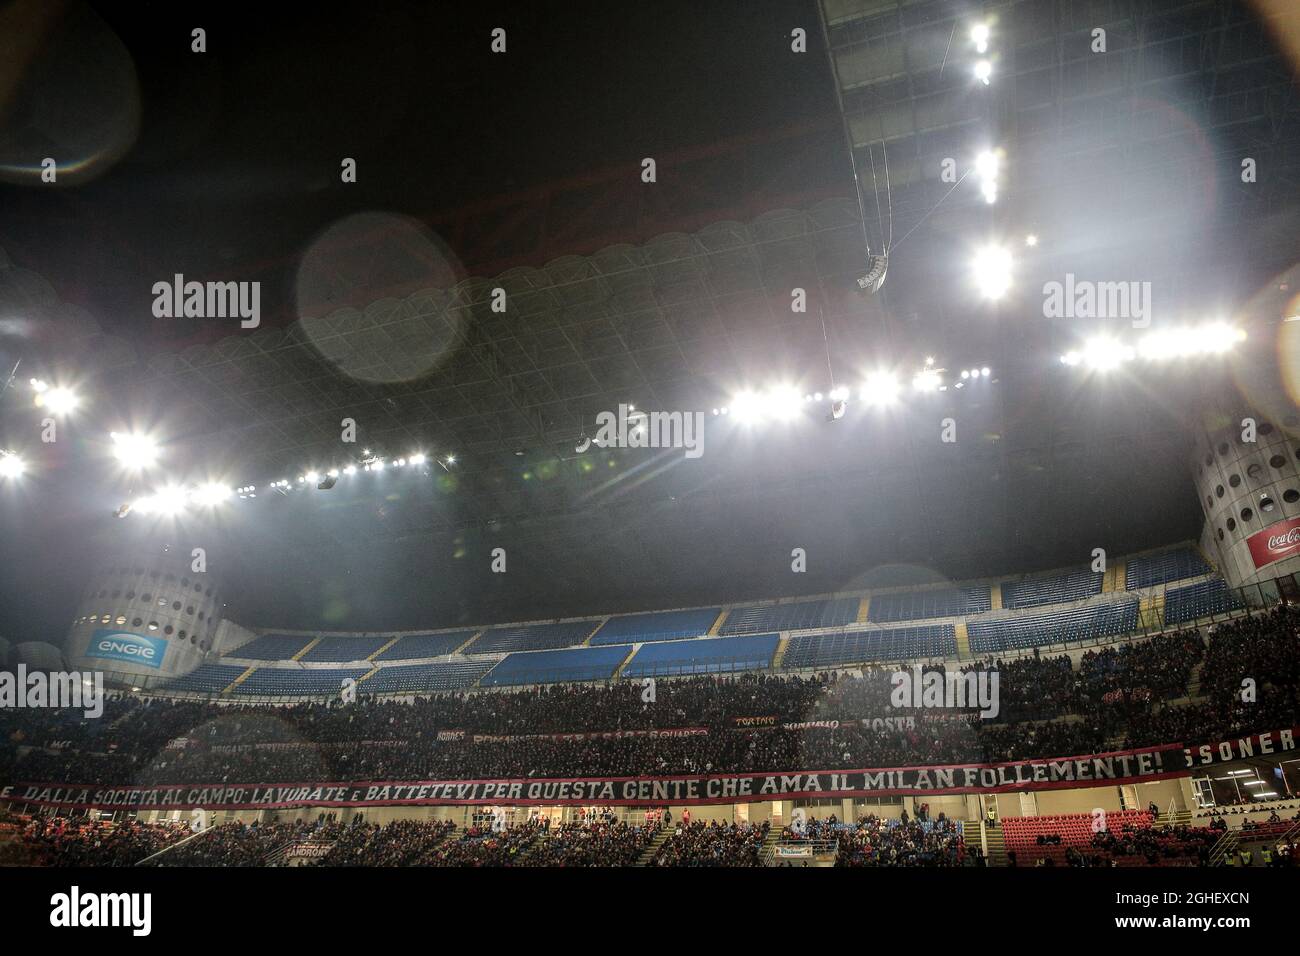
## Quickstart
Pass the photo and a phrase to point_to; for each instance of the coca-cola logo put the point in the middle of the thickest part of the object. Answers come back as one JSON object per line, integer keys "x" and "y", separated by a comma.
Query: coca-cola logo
{"x": 1292, "y": 537}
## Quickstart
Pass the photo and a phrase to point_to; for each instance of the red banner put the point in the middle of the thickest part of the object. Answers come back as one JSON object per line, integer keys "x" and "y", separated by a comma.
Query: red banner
{"x": 1275, "y": 542}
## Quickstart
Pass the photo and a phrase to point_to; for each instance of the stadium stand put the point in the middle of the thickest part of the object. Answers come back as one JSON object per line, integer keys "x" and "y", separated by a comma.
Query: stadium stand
{"x": 706, "y": 656}
{"x": 1151, "y": 569}
{"x": 1199, "y": 600}
{"x": 918, "y": 605}
{"x": 713, "y": 844}
{"x": 413, "y": 647}
{"x": 1052, "y": 589}
{"x": 425, "y": 678}
{"x": 877, "y": 644}
{"x": 344, "y": 649}
{"x": 1076, "y": 830}
{"x": 272, "y": 647}
{"x": 531, "y": 637}
{"x": 659, "y": 626}
{"x": 1057, "y": 627}
{"x": 551, "y": 667}
{"x": 297, "y": 681}
{"x": 207, "y": 678}
{"x": 795, "y": 615}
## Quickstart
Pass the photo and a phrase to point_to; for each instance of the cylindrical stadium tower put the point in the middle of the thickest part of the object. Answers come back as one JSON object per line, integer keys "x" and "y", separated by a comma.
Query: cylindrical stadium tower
{"x": 146, "y": 616}
{"x": 1249, "y": 489}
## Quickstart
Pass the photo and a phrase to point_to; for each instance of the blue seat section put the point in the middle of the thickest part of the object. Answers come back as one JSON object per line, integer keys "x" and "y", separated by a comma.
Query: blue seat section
{"x": 550, "y": 667}
{"x": 1055, "y": 627}
{"x": 531, "y": 637}
{"x": 1055, "y": 589}
{"x": 207, "y": 678}
{"x": 660, "y": 626}
{"x": 345, "y": 648}
{"x": 798, "y": 615}
{"x": 415, "y": 646}
{"x": 419, "y": 678}
{"x": 272, "y": 647}
{"x": 1198, "y": 600}
{"x": 705, "y": 656}
{"x": 918, "y": 605}
{"x": 876, "y": 644}
{"x": 1143, "y": 572}
{"x": 297, "y": 682}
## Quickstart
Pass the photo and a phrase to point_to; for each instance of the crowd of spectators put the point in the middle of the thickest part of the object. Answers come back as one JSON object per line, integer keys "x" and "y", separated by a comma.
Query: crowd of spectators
{"x": 1148, "y": 846}
{"x": 247, "y": 844}
{"x": 604, "y": 842}
{"x": 874, "y": 841}
{"x": 400, "y": 843}
{"x": 1118, "y": 696}
{"x": 65, "y": 841}
{"x": 713, "y": 844}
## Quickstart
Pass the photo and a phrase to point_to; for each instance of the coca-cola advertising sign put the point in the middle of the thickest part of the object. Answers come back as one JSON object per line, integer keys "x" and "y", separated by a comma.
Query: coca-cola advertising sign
{"x": 1275, "y": 542}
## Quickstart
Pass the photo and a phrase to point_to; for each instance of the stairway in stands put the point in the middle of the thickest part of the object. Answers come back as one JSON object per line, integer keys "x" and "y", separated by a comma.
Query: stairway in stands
{"x": 997, "y": 852}
{"x": 660, "y": 839}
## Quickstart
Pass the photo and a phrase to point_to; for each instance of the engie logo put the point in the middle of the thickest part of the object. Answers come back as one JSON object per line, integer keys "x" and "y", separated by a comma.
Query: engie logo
{"x": 124, "y": 646}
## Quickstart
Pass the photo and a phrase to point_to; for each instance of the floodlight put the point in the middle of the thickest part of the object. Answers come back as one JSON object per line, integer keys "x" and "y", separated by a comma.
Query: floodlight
{"x": 58, "y": 400}
{"x": 11, "y": 466}
{"x": 880, "y": 388}
{"x": 979, "y": 35}
{"x": 927, "y": 380}
{"x": 991, "y": 268}
{"x": 983, "y": 71}
{"x": 211, "y": 494}
{"x": 134, "y": 450}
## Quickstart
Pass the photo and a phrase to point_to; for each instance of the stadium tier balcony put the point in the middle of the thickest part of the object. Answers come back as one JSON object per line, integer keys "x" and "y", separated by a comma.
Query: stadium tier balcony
{"x": 297, "y": 682}
{"x": 1152, "y": 569}
{"x": 272, "y": 647}
{"x": 207, "y": 679}
{"x": 659, "y": 626}
{"x": 1199, "y": 600}
{"x": 795, "y": 616}
{"x": 918, "y": 605}
{"x": 877, "y": 644}
{"x": 418, "y": 646}
{"x": 715, "y": 655}
{"x": 557, "y": 666}
{"x": 344, "y": 648}
{"x": 1058, "y": 627}
{"x": 531, "y": 637}
{"x": 423, "y": 678}
{"x": 1054, "y": 589}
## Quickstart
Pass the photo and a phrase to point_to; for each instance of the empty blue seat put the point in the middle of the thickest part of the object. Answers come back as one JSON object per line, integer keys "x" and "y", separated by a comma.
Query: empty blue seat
{"x": 297, "y": 681}
{"x": 1054, "y": 627}
{"x": 917, "y": 605}
{"x": 1151, "y": 569}
{"x": 207, "y": 678}
{"x": 345, "y": 648}
{"x": 272, "y": 647}
{"x": 531, "y": 637}
{"x": 1054, "y": 589}
{"x": 416, "y": 646}
{"x": 797, "y": 615}
{"x": 424, "y": 678}
{"x": 658, "y": 626}
{"x": 1200, "y": 600}
{"x": 551, "y": 667}
{"x": 704, "y": 656}
{"x": 876, "y": 644}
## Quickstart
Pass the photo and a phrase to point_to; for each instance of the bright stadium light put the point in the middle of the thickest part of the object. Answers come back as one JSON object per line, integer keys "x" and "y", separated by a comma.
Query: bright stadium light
{"x": 991, "y": 269}
{"x": 211, "y": 494}
{"x": 55, "y": 399}
{"x": 983, "y": 71}
{"x": 1101, "y": 354}
{"x": 451, "y": 459}
{"x": 417, "y": 458}
{"x": 1031, "y": 240}
{"x": 350, "y": 470}
{"x": 311, "y": 477}
{"x": 165, "y": 502}
{"x": 979, "y": 35}
{"x": 11, "y": 466}
{"x": 927, "y": 380}
{"x": 134, "y": 450}
{"x": 880, "y": 389}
